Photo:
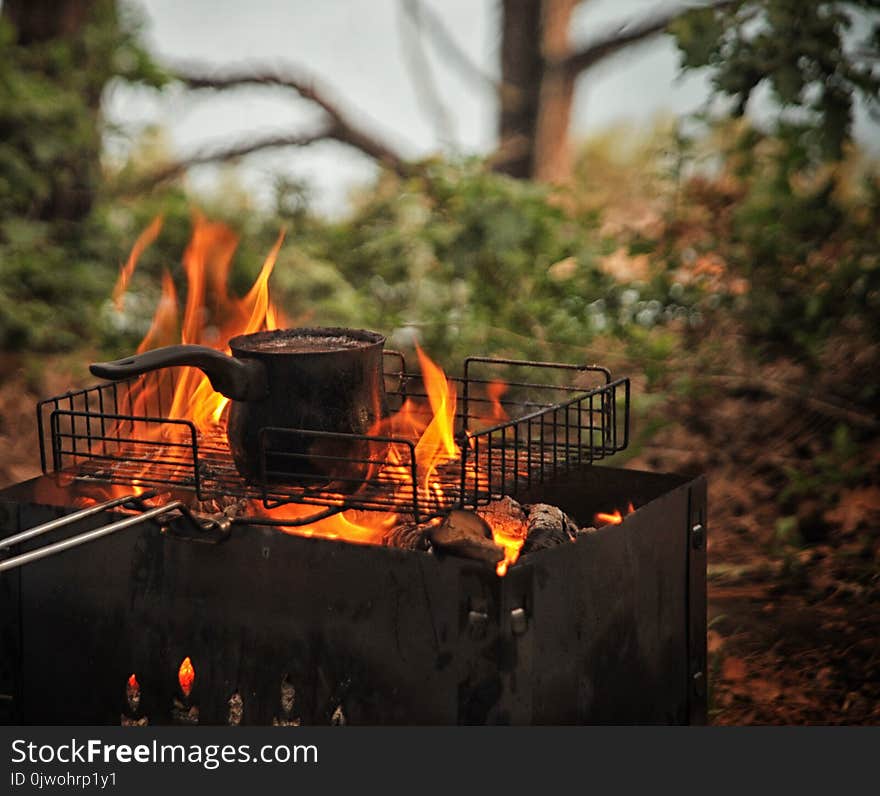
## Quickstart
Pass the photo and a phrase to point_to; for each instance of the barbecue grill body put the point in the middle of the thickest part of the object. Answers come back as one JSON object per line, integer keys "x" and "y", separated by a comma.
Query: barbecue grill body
{"x": 607, "y": 630}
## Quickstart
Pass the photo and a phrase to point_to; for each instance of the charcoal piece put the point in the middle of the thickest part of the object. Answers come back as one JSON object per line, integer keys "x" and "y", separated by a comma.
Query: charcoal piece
{"x": 338, "y": 718}
{"x": 128, "y": 721}
{"x": 182, "y": 713}
{"x": 465, "y": 534}
{"x": 216, "y": 507}
{"x": 408, "y": 536}
{"x": 236, "y": 710}
{"x": 503, "y": 513}
{"x": 288, "y": 703}
{"x": 283, "y": 722}
{"x": 548, "y": 526}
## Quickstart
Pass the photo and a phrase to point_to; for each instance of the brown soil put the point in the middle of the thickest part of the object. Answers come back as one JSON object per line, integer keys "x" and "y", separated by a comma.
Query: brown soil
{"x": 794, "y": 536}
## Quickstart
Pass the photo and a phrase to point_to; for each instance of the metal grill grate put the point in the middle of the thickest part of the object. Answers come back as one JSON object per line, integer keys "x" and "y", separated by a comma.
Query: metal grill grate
{"x": 550, "y": 418}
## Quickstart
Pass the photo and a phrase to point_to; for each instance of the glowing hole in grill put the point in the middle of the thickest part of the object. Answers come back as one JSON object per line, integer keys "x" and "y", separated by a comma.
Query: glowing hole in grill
{"x": 615, "y": 517}
{"x": 185, "y": 676}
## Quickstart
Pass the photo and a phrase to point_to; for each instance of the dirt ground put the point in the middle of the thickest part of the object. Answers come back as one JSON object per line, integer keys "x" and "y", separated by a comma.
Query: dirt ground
{"x": 794, "y": 539}
{"x": 794, "y": 572}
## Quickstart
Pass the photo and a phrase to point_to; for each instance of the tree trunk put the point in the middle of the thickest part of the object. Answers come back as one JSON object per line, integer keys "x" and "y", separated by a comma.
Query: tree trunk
{"x": 536, "y": 97}
{"x": 521, "y": 71}
{"x": 40, "y": 20}
{"x": 551, "y": 159}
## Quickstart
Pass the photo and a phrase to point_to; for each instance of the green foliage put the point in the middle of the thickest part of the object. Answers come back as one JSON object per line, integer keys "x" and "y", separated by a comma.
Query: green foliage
{"x": 812, "y": 55}
{"x": 464, "y": 259}
{"x": 459, "y": 258}
{"x": 788, "y": 248}
{"x": 823, "y": 476}
{"x": 50, "y": 94}
{"x": 785, "y": 535}
{"x": 57, "y": 254}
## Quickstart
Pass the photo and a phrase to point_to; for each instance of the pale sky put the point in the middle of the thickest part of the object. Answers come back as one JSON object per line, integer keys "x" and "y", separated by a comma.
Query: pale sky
{"x": 354, "y": 47}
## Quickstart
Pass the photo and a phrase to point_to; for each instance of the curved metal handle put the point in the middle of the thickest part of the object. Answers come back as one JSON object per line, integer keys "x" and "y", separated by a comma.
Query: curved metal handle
{"x": 239, "y": 379}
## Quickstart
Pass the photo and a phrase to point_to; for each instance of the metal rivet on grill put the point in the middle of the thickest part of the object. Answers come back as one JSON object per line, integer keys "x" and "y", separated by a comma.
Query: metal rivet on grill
{"x": 478, "y": 622}
{"x": 518, "y": 621}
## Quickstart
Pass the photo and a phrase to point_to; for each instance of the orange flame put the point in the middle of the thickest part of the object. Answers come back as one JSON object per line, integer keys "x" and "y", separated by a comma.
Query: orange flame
{"x": 494, "y": 392}
{"x": 435, "y": 432}
{"x": 125, "y": 273}
{"x": 437, "y": 443}
{"x": 211, "y": 316}
{"x": 163, "y": 329}
{"x": 133, "y": 683}
{"x": 615, "y": 518}
{"x": 510, "y": 536}
{"x": 185, "y": 676}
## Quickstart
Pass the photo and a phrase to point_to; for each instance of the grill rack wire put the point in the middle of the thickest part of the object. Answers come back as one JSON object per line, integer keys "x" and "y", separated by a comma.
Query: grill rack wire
{"x": 553, "y": 417}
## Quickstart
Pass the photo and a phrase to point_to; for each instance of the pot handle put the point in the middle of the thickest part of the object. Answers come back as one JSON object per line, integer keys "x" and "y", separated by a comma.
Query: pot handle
{"x": 239, "y": 379}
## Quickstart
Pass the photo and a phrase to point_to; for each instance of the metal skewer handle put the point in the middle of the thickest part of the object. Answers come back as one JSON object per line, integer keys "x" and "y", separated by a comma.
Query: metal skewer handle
{"x": 83, "y": 538}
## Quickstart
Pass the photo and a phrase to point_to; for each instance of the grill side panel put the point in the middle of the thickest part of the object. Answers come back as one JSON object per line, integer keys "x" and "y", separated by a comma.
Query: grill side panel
{"x": 605, "y": 630}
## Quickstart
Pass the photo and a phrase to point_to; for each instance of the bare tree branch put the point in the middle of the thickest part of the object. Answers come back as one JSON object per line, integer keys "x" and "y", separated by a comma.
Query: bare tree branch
{"x": 456, "y": 57}
{"x": 340, "y": 127}
{"x": 630, "y": 33}
{"x": 221, "y": 153}
{"x": 420, "y": 72}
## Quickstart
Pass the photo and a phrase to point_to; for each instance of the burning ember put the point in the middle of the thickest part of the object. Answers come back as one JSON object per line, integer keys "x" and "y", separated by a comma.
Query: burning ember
{"x": 186, "y": 675}
{"x": 211, "y": 316}
{"x": 615, "y": 518}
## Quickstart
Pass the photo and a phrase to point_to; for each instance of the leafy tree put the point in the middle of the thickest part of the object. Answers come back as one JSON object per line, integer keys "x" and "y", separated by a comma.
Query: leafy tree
{"x": 817, "y": 58}
{"x": 56, "y": 252}
{"x": 56, "y": 58}
{"x": 806, "y": 50}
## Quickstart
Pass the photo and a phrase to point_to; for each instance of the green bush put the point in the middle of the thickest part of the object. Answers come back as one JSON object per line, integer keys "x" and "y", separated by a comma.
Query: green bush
{"x": 762, "y": 234}
{"x": 471, "y": 261}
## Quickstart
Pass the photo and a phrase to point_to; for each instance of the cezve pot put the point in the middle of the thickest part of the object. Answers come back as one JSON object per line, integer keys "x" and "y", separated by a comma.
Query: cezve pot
{"x": 318, "y": 379}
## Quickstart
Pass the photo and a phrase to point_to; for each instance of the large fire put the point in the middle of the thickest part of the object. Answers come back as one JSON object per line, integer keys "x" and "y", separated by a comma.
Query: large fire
{"x": 211, "y": 316}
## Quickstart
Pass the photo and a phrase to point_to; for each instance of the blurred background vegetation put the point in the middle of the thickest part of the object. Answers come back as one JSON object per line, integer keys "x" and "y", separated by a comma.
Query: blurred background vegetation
{"x": 733, "y": 270}
{"x": 775, "y": 229}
